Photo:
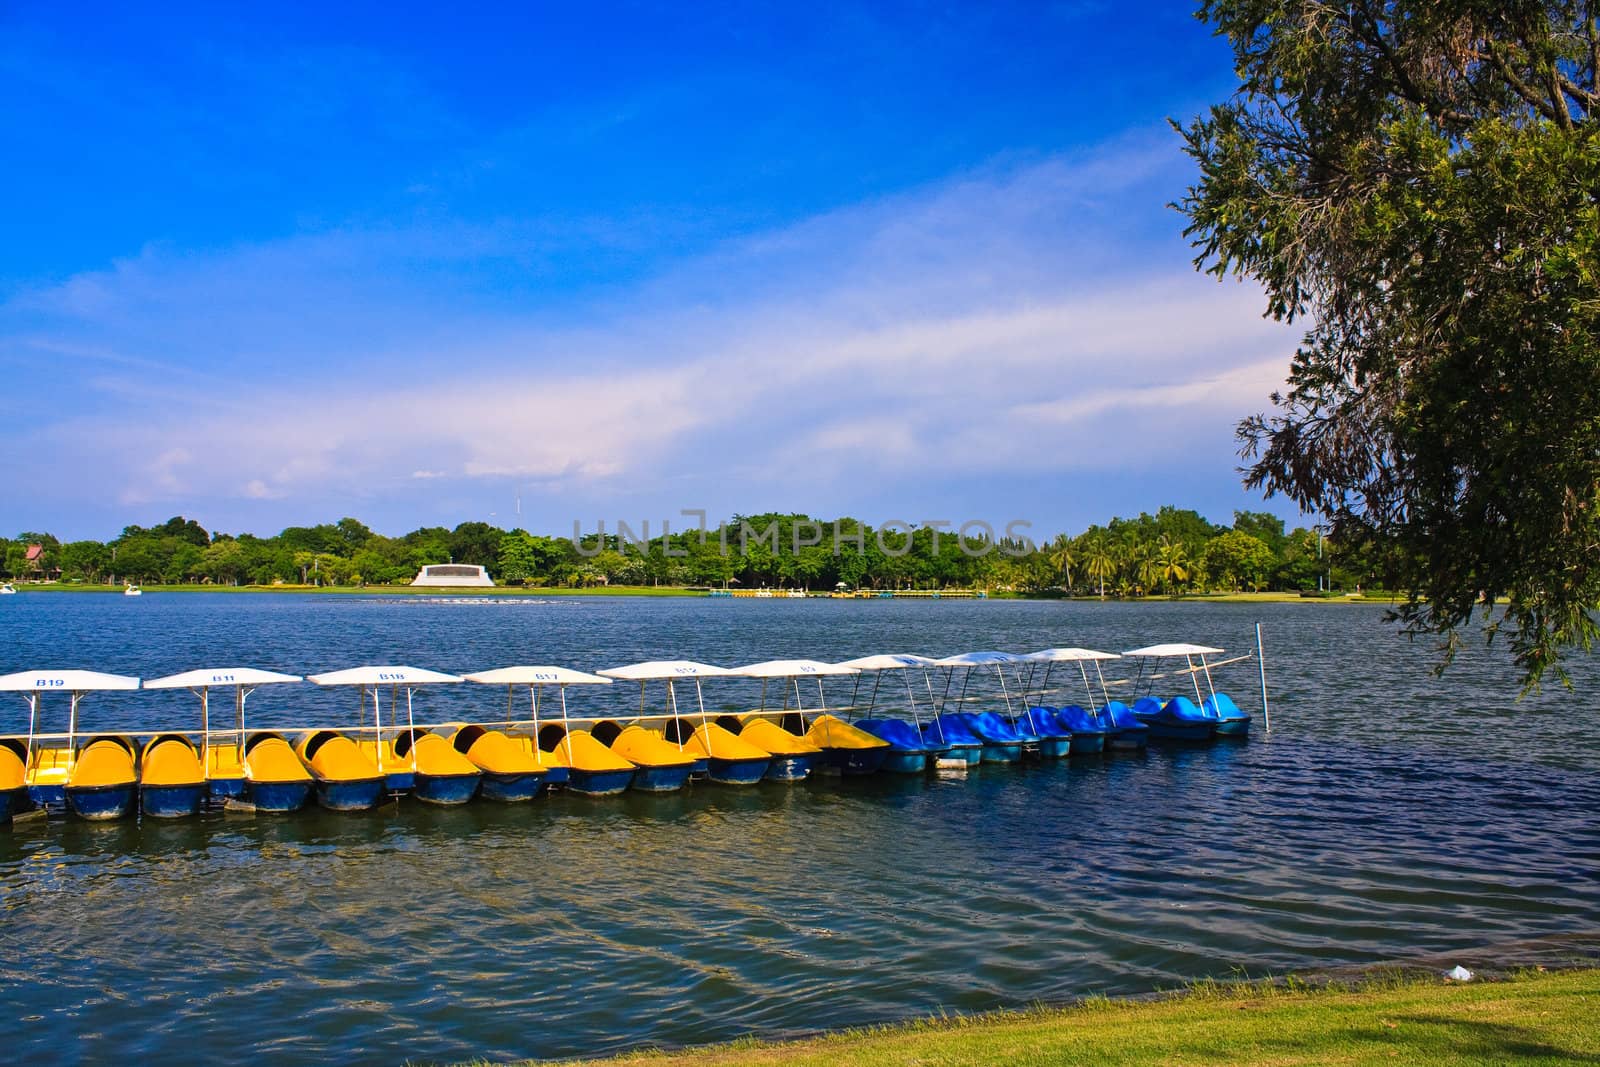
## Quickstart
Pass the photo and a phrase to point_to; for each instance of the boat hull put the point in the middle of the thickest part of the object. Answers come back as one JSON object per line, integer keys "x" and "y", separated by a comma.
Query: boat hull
{"x": 48, "y": 796}
{"x": 357, "y": 794}
{"x": 1128, "y": 740}
{"x": 1172, "y": 731}
{"x": 661, "y": 779}
{"x": 1001, "y": 752}
{"x": 972, "y": 755}
{"x": 1055, "y": 747}
{"x": 400, "y": 781}
{"x": 513, "y": 788}
{"x": 445, "y": 790}
{"x": 1088, "y": 744}
{"x": 854, "y": 761}
{"x": 794, "y": 768}
{"x": 280, "y": 796}
{"x": 172, "y": 801}
{"x": 227, "y": 788}
{"x": 101, "y": 803}
{"x": 905, "y": 761}
{"x": 607, "y": 783}
{"x": 737, "y": 771}
{"x": 14, "y": 802}
{"x": 1234, "y": 727}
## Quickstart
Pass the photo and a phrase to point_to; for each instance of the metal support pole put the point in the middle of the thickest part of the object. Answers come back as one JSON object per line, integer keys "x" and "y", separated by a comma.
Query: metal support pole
{"x": 1261, "y": 662}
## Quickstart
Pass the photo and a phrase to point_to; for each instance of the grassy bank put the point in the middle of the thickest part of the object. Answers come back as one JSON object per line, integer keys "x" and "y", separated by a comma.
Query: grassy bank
{"x": 1531, "y": 1018}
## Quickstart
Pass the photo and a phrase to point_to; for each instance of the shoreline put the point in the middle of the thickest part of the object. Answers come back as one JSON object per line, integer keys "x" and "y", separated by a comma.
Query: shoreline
{"x": 679, "y": 591}
{"x": 1387, "y": 1015}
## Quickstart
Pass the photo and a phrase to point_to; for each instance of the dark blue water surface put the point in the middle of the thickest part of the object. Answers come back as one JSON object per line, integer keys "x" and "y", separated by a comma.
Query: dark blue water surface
{"x": 1388, "y": 814}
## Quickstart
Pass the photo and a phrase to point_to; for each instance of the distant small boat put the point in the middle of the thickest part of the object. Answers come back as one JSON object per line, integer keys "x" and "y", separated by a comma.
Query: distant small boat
{"x": 7, "y": 589}
{"x": 172, "y": 783}
{"x": 132, "y": 590}
{"x": 103, "y": 783}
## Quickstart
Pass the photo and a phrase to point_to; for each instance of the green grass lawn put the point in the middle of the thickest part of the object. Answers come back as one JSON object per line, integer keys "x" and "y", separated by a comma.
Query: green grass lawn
{"x": 1533, "y": 1018}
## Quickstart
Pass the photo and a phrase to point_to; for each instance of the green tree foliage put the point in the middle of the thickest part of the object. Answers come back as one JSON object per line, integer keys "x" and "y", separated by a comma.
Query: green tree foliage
{"x": 1418, "y": 180}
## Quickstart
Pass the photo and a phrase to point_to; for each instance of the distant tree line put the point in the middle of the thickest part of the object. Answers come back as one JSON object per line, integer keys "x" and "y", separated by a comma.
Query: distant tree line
{"x": 1171, "y": 552}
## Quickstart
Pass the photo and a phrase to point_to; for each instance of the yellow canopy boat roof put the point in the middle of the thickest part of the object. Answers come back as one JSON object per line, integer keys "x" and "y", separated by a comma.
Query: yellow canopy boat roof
{"x": 106, "y": 761}
{"x": 828, "y": 731}
{"x": 335, "y": 758}
{"x": 170, "y": 759}
{"x": 647, "y": 748}
{"x": 269, "y": 758}
{"x": 768, "y": 735}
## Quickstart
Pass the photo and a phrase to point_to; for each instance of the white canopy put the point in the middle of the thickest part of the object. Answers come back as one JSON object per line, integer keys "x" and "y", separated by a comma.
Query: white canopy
{"x": 536, "y": 676}
{"x": 382, "y": 676}
{"x": 977, "y": 659}
{"x": 793, "y": 668}
{"x": 1068, "y": 655}
{"x": 219, "y": 676}
{"x": 66, "y": 681}
{"x": 893, "y": 661}
{"x": 666, "y": 668}
{"x": 1175, "y": 650}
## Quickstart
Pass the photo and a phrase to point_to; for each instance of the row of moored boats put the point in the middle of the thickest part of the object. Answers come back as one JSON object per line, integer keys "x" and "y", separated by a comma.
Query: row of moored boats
{"x": 534, "y": 747}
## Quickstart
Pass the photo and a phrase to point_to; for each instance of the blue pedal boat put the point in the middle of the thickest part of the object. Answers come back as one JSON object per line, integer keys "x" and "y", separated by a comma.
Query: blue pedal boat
{"x": 1125, "y": 733}
{"x": 1089, "y": 731}
{"x": 1176, "y": 720}
{"x": 1054, "y": 740}
{"x": 957, "y": 738}
{"x": 1231, "y": 722}
{"x": 909, "y": 751}
{"x": 1001, "y": 744}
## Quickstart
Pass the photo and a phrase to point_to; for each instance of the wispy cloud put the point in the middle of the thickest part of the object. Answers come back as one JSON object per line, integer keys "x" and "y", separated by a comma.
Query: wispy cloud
{"x": 1039, "y": 318}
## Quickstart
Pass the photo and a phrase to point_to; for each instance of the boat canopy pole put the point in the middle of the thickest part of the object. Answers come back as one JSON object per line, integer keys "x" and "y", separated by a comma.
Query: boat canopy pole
{"x": 33, "y": 726}
{"x": 855, "y": 690}
{"x": 1101, "y": 675}
{"x": 1261, "y": 662}
{"x": 566, "y": 726}
{"x": 377, "y": 721}
{"x": 1209, "y": 683}
{"x": 205, "y": 729}
{"x": 822, "y": 709}
{"x": 411, "y": 727}
{"x": 72, "y": 731}
{"x": 944, "y": 697}
{"x": 672, "y": 702}
{"x": 700, "y": 698}
{"x": 1044, "y": 687}
{"x": 764, "y": 695}
{"x": 533, "y": 699}
{"x": 877, "y": 677}
{"x": 1195, "y": 678}
{"x": 933, "y": 708}
{"x": 911, "y": 699}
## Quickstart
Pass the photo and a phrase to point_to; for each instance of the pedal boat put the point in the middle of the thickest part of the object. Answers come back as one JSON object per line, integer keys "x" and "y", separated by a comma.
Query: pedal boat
{"x": 846, "y": 749}
{"x": 1089, "y": 730}
{"x": 659, "y": 765}
{"x": 1051, "y": 740}
{"x": 1176, "y": 720}
{"x": 223, "y": 763}
{"x": 104, "y": 783}
{"x": 510, "y": 773}
{"x": 172, "y": 782}
{"x": 441, "y": 775}
{"x": 1001, "y": 744}
{"x": 593, "y": 770}
{"x": 345, "y": 779}
{"x": 1231, "y": 722}
{"x": 793, "y": 758}
{"x": 49, "y": 769}
{"x": 729, "y": 759}
{"x": 909, "y": 751}
{"x": 1124, "y": 732}
{"x": 956, "y": 735}
{"x": 275, "y": 779}
{"x": 13, "y": 779}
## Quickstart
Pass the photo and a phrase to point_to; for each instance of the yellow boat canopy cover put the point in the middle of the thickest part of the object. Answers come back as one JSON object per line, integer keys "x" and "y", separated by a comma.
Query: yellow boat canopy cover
{"x": 335, "y": 758}
{"x": 170, "y": 759}
{"x": 646, "y": 748}
{"x": 13, "y": 775}
{"x": 436, "y": 757}
{"x": 768, "y": 735}
{"x": 268, "y": 758}
{"x": 494, "y": 752}
{"x": 717, "y": 743}
{"x": 581, "y": 751}
{"x": 827, "y": 731}
{"x": 106, "y": 761}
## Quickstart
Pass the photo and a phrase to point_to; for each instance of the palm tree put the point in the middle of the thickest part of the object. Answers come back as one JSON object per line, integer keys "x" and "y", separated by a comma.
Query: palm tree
{"x": 1100, "y": 562}
{"x": 1172, "y": 561}
{"x": 1062, "y": 559}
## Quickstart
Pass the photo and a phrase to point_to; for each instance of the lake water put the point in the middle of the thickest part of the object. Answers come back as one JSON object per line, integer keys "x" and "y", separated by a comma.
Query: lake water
{"x": 1389, "y": 814}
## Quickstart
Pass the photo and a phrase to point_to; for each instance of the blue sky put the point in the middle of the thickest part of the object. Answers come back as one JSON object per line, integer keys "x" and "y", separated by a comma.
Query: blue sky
{"x": 901, "y": 262}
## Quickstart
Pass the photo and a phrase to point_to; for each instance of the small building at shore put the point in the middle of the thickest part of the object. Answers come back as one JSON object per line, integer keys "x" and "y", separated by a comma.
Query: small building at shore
{"x": 453, "y": 576}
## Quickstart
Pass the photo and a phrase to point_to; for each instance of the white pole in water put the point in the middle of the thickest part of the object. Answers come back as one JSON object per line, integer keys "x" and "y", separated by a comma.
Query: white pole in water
{"x": 1261, "y": 662}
